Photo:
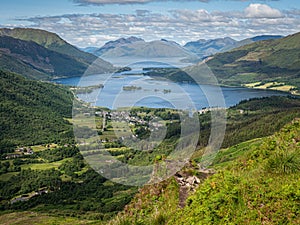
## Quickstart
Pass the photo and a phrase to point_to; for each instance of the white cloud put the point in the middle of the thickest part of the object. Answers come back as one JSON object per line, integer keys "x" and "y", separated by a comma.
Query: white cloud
{"x": 262, "y": 11}
{"x": 184, "y": 25}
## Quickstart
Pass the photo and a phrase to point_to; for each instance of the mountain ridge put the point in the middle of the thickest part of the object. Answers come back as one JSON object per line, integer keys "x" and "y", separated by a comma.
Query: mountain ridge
{"x": 117, "y": 43}
{"x": 28, "y": 52}
{"x": 48, "y": 40}
{"x": 250, "y": 41}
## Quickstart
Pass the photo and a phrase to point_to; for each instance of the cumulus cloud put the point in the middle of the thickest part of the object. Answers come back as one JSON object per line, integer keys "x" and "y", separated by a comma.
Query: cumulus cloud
{"x": 262, "y": 11}
{"x": 179, "y": 25}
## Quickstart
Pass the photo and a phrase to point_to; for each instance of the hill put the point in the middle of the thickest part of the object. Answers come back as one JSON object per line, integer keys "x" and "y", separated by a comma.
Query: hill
{"x": 250, "y": 41}
{"x": 32, "y": 112}
{"x": 12, "y": 64}
{"x": 44, "y": 54}
{"x": 117, "y": 43}
{"x": 256, "y": 182}
{"x": 48, "y": 40}
{"x": 37, "y": 58}
{"x": 272, "y": 62}
{"x": 204, "y": 48}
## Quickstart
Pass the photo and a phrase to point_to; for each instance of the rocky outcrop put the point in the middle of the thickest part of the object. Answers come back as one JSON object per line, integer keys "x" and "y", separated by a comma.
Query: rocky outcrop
{"x": 188, "y": 183}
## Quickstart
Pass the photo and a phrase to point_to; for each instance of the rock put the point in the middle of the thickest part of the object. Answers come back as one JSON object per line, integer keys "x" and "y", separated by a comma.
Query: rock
{"x": 197, "y": 180}
{"x": 190, "y": 180}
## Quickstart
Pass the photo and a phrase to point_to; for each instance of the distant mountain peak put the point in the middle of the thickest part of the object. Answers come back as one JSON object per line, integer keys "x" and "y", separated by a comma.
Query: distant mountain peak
{"x": 122, "y": 41}
{"x": 117, "y": 43}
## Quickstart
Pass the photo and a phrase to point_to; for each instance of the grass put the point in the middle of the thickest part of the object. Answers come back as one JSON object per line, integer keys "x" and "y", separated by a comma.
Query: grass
{"x": 276, "y": 86}
{"x": 226, "y": 156}
{"x": 44, "y": 166}
{"x": 7, "y": 176}
{"x": 286, "y": 88}
{"x": 88, "y": 121}
{"x": 20, "y": 218}
{"x": 39, "y": 148}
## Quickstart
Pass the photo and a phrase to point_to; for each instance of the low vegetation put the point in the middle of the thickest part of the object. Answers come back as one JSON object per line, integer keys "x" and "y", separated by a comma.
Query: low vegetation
{"x": 259, "y": 184}
{"x": 44, "y": 178}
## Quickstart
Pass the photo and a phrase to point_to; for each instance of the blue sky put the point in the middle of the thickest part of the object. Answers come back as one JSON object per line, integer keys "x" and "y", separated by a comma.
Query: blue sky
{"x": 93, "y": 22}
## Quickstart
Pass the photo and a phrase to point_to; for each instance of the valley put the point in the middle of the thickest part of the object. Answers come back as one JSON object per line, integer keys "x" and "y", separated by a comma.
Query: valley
{"x": 86, "y": 141}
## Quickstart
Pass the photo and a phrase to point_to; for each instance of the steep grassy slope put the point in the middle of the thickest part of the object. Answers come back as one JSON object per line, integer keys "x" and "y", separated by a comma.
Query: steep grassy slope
{"x": 32, "y": 112}
{"x": 267, "y": 61}
{"x": 82, "y": 193}
{"x": 258, "y": 184}
{"x": 261, "y": 186}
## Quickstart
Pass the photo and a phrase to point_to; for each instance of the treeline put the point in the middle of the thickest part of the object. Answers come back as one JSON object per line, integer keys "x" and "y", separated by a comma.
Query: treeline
{"x": 253, "y": 118}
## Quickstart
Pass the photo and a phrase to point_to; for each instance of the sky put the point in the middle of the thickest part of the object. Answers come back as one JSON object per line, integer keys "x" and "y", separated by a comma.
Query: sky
{"x": 87, "y": 23}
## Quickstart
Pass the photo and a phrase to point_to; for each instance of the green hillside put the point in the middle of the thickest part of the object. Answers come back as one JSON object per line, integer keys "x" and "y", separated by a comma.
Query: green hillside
{"x": 260, "y": 186}
{"x": 38, "y": 58}
{"x": 15, "y": 65}
{"x": 263, "y": 62}
{"x": 81, "y": 195}
{"x": 48, "y": 40}
{"x": 38, "y": 54}
{"x": 257, "y": 182}
{"x": 32, "y": 112}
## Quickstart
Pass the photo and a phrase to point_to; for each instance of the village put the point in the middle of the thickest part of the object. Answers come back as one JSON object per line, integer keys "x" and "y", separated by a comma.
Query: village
{"x": 20, "y": 152}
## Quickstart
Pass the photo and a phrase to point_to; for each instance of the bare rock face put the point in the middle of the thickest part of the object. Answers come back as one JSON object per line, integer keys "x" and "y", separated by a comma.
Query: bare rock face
{"x": 188, "y": 183}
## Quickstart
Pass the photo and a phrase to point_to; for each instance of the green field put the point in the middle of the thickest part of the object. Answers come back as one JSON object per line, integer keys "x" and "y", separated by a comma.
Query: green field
{"x": 7, "y": 176}
{"x": 44, "y": 166}
{"x": 34, "y": 218}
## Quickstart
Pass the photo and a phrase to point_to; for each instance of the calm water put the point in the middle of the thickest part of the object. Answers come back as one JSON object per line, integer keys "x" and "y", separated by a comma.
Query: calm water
{"x": 160, "y": 94}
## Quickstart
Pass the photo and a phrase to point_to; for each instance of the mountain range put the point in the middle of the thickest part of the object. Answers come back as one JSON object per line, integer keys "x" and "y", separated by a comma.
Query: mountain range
{"x": 194, "y": 50}
{"x": 39, "y": 54}
{"x": 138, "y": 48}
